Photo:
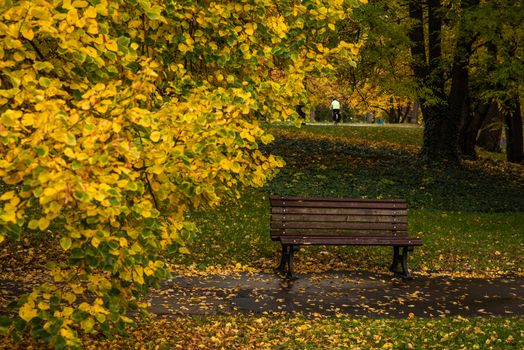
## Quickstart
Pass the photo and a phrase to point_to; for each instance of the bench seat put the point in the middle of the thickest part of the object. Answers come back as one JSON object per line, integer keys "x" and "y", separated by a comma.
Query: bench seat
{"x": 371, "y": 241}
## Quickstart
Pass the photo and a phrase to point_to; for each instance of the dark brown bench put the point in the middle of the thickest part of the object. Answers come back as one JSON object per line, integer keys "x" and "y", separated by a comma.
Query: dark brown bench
{"x": 297, "y": 221}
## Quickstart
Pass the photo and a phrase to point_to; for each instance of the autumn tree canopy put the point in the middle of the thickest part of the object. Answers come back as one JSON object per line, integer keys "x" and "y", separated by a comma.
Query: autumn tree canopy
{"x": 116, "y": 117}
{"x": 460, "y": 60}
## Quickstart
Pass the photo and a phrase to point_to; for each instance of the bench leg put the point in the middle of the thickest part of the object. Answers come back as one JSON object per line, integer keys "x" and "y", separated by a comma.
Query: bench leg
{"x": 400, "y": 261}
{"x": 287, "y": 259}
{"x": 396, "y": 260}
{"x": 283, "y": 259}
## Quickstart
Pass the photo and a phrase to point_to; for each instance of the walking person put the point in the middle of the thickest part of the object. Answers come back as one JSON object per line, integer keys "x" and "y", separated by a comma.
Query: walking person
{"x": 335, "y": 110}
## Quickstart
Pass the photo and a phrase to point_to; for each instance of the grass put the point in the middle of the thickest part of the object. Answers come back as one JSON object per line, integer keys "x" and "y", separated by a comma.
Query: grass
{"x": 471, "y": 218}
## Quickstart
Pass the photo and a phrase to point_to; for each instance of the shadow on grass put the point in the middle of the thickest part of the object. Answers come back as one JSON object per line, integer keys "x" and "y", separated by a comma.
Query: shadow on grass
{"x": 338, "y": 168}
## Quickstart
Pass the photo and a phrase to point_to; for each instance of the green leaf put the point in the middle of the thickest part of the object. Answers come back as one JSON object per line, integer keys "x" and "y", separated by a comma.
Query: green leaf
{"x": 77, "y": 253}
{"x": 123, "y": 41}
{"x": 42, "y": 150}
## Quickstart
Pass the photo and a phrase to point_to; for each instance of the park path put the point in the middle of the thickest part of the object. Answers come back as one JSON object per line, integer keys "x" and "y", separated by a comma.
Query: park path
{"x": 358, "y": 294}
{"x": 355, "y": 294}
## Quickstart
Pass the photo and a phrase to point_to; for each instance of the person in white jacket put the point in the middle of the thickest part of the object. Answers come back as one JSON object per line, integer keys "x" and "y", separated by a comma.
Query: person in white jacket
{"x": 335, "y": 110}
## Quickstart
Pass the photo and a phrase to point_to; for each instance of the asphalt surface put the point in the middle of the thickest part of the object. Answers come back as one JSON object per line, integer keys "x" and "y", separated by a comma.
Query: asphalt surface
{"x": 357, "y": 294}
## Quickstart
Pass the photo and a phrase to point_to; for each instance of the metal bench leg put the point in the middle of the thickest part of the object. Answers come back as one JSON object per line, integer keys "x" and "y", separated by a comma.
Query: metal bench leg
{"x": 405, "y": 270}
{"x": 283, "y": 259}
{"x": 396, "y": 260}
{"x": 400, "y": 261}
{"x": 292, "y": 249}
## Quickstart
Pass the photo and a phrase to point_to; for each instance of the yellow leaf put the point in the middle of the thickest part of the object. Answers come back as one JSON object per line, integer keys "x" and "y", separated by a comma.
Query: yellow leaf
{"x": 19, "y": 56}
{"x": 72, "y": 16}
{"x": 226, "y": 164}
{"x": 65, "y": 243}
{"x": 100, "y": 317}
{"x": 70, "y": 297}
{"x": 183, "y": 47}
{"x": 250, "y": 28}
{"x": 155, "y": 136}
{"x": 138, "y": 274}
{"x": 27, "y": 33}
{"x": 267, "y": 138}
{"x": 184, "y": 250}
{"x": 111, "y": 45}
{"x": 7, "y": 196}
{"x": 43, "y": 305}
{"x": 77, "y": 289}
{"x": 116, "y": 127}
{"x": 27, "y": 312}
{"x": 67, "y": 332}
{"x": 126, "y": 319}
{"x": 80, "y": 4}
{"x": 95, "y": 242}
{"x": 90, "y": 12}
{"x": 43, "y": 223}
{"x": 33, "y": 224}
{"x": 68, "y": 311}
{"x": 88, "y": 324}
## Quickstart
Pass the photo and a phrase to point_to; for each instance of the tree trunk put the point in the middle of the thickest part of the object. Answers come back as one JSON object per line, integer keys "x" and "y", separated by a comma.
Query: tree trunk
{"x": 430, "y": 75}
{"x": 443, "y": 118}
{"x": 475, "y": 118}
{"x": 459, "y": 85}
{"x": 490, "y": 132}
{"x": 405, "y": 113}
{"x": 413, "y": 116}
{"x": 514, "y": 145}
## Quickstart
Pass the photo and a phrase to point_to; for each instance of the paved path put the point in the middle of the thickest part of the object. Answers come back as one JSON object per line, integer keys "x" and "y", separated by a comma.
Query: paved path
{"x": 350, "y": 293}
{"x": 362, "y": 124}
{"x": 357, "y": 294}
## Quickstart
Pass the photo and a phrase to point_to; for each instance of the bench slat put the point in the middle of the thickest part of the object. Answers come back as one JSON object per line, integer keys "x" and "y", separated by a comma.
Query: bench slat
{"x": 339, "y": 218}
{"x": 277, "y": 235}
{"x": 338, "y": 204}
{"x": 389, "y": 241}
{"x": 340, "y": 225}
{"x": 334, "y": 199}
{"x": 335, "y": 211}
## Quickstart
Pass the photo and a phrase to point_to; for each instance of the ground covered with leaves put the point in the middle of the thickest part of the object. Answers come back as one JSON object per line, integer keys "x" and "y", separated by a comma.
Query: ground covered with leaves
{"x": 470, "y": 216}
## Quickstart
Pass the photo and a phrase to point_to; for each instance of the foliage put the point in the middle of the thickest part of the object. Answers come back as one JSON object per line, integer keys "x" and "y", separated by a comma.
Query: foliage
{"x": 243, "y": 332}
{"x": 119, "y": 116}
{"x": 298, "y": 332}
{"x": 381, "y": 80}
{"x": 472, "y": 46}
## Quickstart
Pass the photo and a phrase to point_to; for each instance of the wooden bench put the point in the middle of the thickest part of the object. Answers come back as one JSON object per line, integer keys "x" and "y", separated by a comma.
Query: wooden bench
{"x": 297, "y": 221}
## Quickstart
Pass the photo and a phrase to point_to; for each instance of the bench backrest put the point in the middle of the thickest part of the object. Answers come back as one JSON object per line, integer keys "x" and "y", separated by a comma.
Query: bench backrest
{"x": 337, "y": 217}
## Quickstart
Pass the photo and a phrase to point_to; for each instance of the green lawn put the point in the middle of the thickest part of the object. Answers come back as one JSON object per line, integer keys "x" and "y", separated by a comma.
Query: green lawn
{"x": 471, "y": 218}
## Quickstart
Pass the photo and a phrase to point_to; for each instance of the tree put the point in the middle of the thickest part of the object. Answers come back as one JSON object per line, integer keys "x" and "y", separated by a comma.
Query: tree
{"x": 117, "y": 117}
{"x": 456, "y": 58}
{"x": 381, "y": 80}
{"x": 497, "y": 74}
{"x": 462, "y": 30}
